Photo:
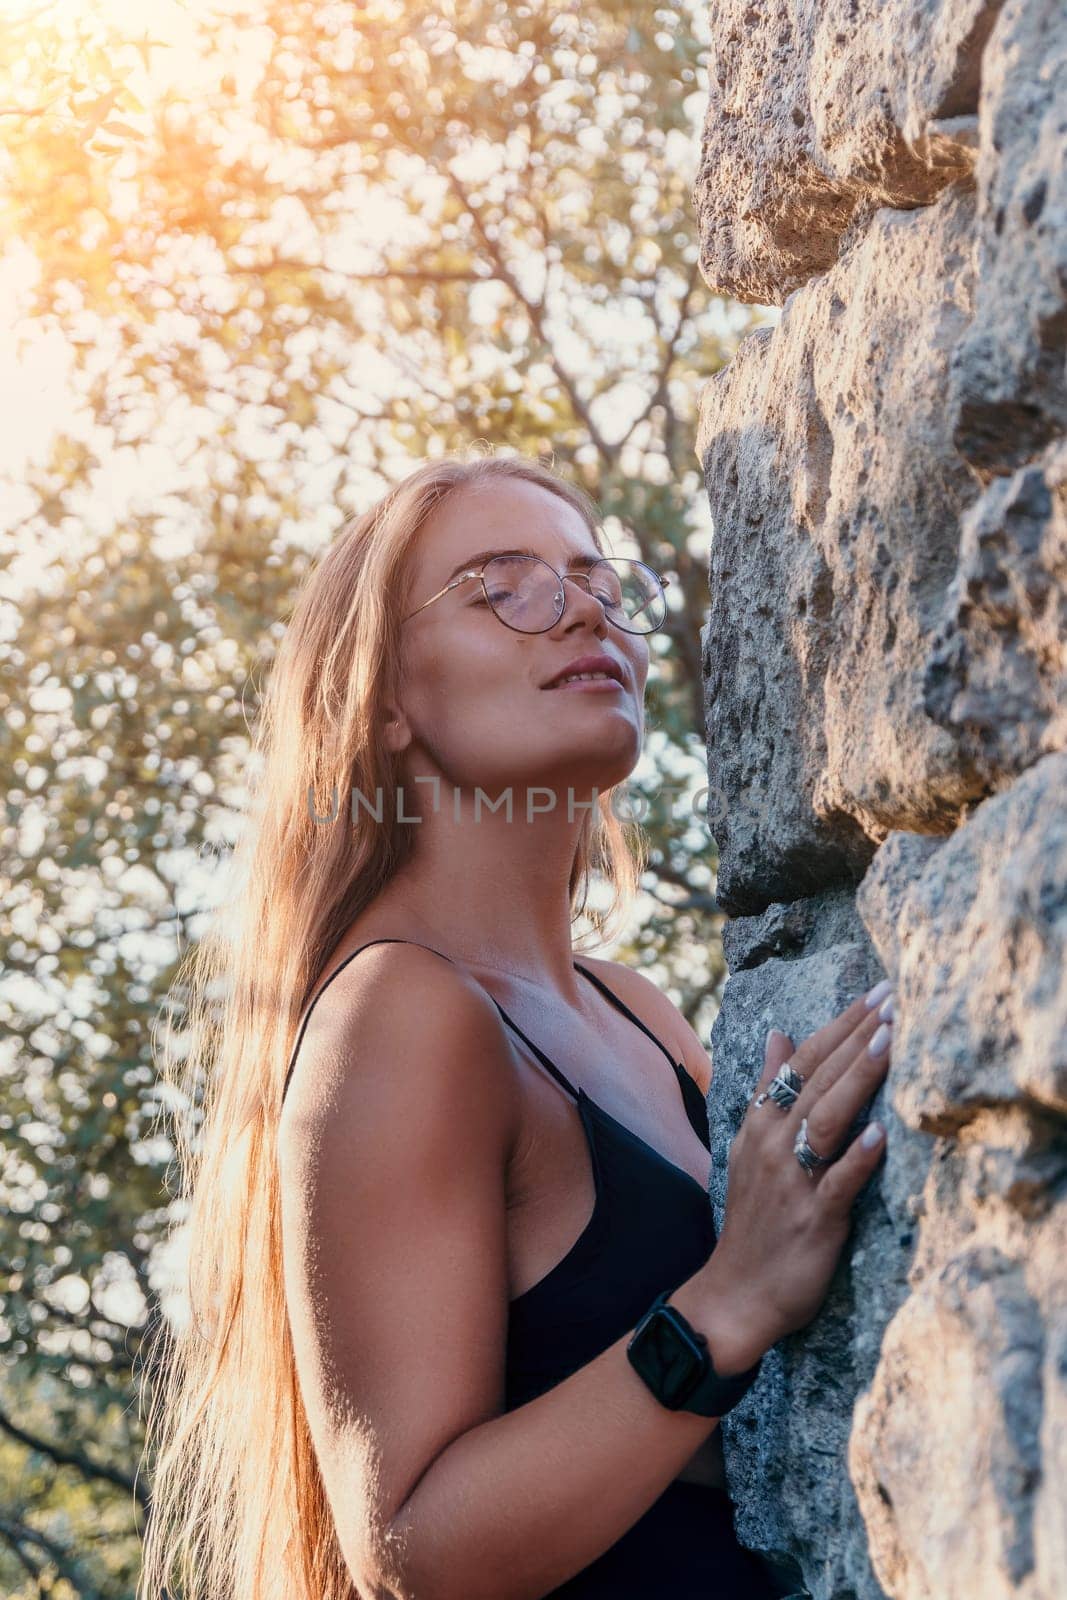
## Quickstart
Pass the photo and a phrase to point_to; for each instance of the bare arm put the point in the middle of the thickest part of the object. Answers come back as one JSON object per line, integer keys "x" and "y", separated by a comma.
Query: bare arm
{"x": 394, "y": 1156}
{"x": 520, "y": 1503}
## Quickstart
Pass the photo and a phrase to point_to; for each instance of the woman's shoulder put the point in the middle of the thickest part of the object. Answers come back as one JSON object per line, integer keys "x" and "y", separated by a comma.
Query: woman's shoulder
{"x": 657, "y": 1011}
{"x": 406, "y": 1015}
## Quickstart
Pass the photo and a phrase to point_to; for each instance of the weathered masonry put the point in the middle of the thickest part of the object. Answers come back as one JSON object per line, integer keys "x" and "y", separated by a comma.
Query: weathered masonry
{"x": 886, "y": 687}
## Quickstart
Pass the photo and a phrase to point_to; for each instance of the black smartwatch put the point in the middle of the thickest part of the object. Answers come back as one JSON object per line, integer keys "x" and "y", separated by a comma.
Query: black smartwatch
{"x": 674, "y": 1361}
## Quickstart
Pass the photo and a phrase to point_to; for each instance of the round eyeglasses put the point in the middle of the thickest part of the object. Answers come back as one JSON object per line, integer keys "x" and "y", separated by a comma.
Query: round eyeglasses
{"x": 527, "y": 594}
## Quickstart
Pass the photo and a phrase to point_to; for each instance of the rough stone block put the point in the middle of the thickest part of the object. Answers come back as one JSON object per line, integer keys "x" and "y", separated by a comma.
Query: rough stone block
{"x": 836, "y": 494}
{"x": 817, "y": 115}
{"x": 885, "y": 662}
{"x": 948, "y": 1310}
{"x": 954, "y": 1442}
{"x": 997, "y": 669}
{"x": 946, "y": 1447}
{"x": 1009, "y": 381}
{"x": 785, "y": 1445}
{"x": 978, "y": 947}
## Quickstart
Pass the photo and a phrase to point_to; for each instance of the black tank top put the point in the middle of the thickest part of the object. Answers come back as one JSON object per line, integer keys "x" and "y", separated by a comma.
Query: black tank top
{"x": 651, "y": 1228}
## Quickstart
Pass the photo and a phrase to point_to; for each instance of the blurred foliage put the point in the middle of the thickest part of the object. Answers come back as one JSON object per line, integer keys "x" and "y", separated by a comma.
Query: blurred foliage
{"x": 340, "y": 239}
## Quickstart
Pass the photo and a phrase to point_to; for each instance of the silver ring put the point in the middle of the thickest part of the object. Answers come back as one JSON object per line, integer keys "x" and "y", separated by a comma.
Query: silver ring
{"x": 783, "y": 1087}
{"x": 809, "y": 1160}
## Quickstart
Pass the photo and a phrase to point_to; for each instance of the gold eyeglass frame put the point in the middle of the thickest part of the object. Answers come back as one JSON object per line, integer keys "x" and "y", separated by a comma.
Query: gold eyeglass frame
{"x": 479, "y": 573}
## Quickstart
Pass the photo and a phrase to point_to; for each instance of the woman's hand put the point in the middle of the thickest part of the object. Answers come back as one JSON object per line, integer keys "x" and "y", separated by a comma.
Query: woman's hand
{"x": 784, "y": 1230}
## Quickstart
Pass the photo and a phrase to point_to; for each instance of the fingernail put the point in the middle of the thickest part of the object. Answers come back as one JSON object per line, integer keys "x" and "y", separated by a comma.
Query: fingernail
{"x": 871, "y": 1135}
{"x": 879, "y": 1042}
{"x": 885, "y": 1010}
{"x": 879, "y": 992}
{"x": 774, "y": 1034}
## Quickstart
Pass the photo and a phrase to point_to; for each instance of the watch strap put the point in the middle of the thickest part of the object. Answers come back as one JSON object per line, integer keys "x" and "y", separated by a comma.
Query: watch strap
{"x": 711, "y": 1394}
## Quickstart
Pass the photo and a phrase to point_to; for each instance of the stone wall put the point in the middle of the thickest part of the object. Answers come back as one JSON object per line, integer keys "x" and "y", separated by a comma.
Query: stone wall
{"x": 885, "y": 660}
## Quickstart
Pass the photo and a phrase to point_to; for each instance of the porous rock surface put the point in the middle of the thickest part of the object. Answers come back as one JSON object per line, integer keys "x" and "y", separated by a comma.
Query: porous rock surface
{"x": 885, "y": 662}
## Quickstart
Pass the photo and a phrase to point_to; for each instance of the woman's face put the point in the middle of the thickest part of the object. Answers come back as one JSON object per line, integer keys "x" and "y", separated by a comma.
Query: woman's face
{"x": 473, "y": 695}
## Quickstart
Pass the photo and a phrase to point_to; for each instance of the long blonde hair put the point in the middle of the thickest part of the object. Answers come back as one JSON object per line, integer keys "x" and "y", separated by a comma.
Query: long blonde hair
{"x": 238, "y": 1510}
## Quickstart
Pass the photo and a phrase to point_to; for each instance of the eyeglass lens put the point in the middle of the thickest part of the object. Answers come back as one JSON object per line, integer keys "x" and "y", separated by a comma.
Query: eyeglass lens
{"x": 526, "y": 593}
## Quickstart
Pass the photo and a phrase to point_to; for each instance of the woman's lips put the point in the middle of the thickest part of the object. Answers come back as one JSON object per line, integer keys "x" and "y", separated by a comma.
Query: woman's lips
{"x": 585, "y": 683}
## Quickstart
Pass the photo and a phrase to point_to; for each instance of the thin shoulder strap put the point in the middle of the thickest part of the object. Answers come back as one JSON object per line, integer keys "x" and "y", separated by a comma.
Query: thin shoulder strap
{"x": 622, "y": 1006}
{"x": 338, "y": 969}
{"x": 692, "y": 1094}
{"x": 550, "y": 1066}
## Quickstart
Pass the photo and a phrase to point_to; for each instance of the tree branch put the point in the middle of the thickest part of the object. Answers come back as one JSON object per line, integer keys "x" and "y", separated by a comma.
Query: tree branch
{"x": 696, "y": 902}
{"x": 74, "y": 1458}
{"x": 535, "y": 311}
{"x": 24, "y": 1557}
{"x": 95, "y": 1326}
{"x": 410, "y": 274}
{"x": 19, "y": 1533}
{"x": 358, "y": 412}
{"x": 670, "y": 874}
{"x": 660, "y": 395}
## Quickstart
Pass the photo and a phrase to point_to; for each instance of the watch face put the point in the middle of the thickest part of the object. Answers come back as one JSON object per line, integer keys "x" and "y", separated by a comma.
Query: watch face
{"x": 667, "y": 1356}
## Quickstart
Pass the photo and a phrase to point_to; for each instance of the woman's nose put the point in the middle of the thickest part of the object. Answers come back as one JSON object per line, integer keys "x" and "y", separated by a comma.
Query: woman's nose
{"x": 579, "y": 595}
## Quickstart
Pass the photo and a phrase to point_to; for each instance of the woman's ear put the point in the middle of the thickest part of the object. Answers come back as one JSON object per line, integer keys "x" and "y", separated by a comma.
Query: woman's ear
{"x": 397, "y": 732}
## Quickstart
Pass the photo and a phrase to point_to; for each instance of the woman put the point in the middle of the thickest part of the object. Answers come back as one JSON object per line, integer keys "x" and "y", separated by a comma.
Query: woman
{"x": 445, "y": 1171}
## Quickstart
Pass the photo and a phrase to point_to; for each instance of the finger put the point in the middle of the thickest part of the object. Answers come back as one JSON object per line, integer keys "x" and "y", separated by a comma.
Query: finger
{"x": 840, "y": 1183}
{"x": 870, "y": 1032}
{"x": 820, "y": 1045}
{"x": 777, "y": 1048}
{"x": 833, "y": 1113}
